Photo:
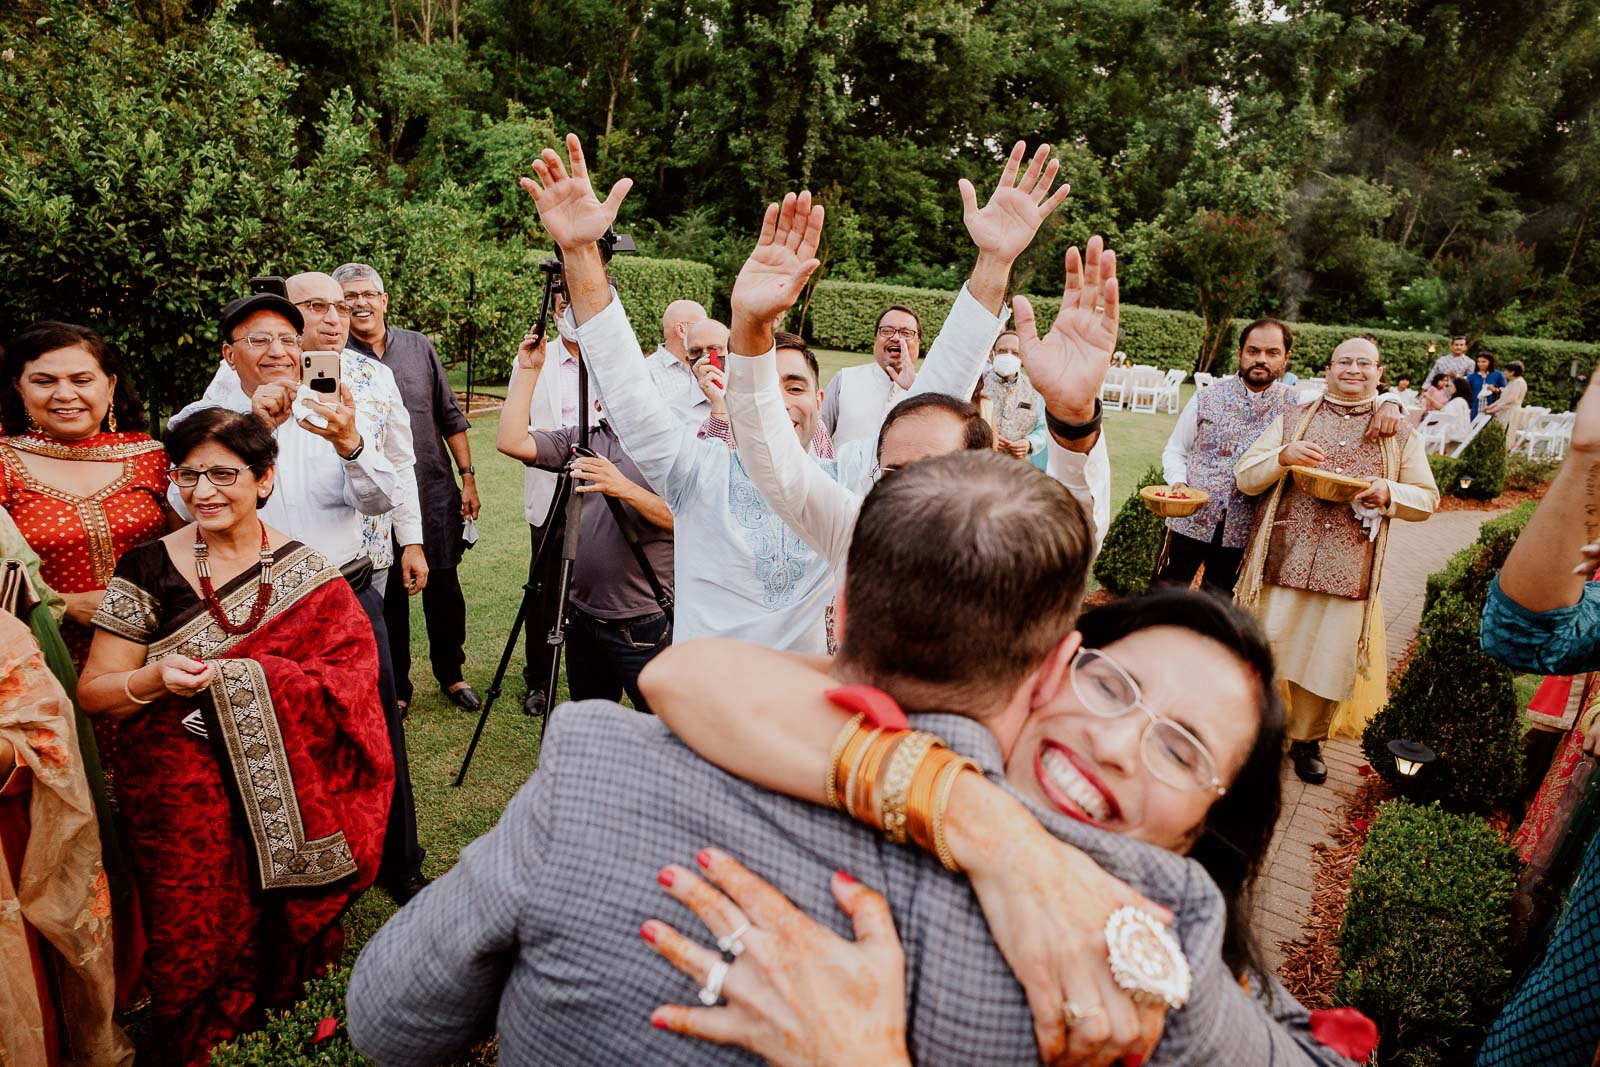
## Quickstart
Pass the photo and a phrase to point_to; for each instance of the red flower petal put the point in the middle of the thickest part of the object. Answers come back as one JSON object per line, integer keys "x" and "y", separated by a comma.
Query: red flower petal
{"x": 879, "y": 707}
{"x": 1364, "y": 770}
{"x": 1346, "y": 1031}
{"x": 1362, "y": 825}
{"x": 326, "y": 1029}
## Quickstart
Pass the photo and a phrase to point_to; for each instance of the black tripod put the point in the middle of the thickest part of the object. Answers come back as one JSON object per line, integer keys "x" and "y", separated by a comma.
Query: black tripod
{"x": 570, "y": 504}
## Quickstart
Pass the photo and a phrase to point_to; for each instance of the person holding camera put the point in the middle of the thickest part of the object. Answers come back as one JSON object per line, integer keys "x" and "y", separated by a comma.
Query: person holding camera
{"x": 615, "y": 622}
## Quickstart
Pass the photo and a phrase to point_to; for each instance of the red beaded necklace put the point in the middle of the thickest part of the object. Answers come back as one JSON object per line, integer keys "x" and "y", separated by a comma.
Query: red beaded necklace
{"x": 202, "y": 568}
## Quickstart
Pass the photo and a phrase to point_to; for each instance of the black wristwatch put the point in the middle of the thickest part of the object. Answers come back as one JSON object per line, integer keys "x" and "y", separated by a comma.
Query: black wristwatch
{"x": 1073, "y": 431}
{"x": 464, "y": 471}
{"x": 352, "y": 457}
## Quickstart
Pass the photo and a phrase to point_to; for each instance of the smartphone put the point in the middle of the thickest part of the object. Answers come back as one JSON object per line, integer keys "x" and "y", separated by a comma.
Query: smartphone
{"x": 270, "y": 283}
{"x": 319, "y": 371}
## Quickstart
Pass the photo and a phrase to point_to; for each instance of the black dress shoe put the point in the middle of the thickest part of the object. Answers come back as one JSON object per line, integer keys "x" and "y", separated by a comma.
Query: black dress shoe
{"x": 1308, "y": 765}
{"x": 466, "y": 698}
{"x": 533, "y": 703}
{"x": 403, "y": 893}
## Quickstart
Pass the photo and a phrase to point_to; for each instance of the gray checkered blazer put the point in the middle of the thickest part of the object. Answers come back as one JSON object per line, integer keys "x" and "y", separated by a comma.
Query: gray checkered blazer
{"x": 534, "y": 934}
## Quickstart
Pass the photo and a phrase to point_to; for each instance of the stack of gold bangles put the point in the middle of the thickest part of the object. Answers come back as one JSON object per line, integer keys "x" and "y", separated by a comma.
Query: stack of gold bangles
{"x": 896, "y": 780}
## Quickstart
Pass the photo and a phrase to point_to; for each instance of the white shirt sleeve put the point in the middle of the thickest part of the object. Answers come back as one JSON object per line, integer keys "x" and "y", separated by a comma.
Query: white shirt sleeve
{"x": 1175, "y": 457}
{"x": 664, "y": 448}
{"x": 956, "y": 359}
{"x": 371, "y": 484}
{"x": 1087, "y": 476}
{"x": 809, "y": 502}
{"x": 397, "y": 448}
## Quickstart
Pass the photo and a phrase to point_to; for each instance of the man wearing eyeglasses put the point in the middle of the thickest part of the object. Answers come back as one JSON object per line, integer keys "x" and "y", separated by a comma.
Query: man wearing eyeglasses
{"x": 1216, "y": 426}
{"x": 858, "y": 398}
{"x": 436, "y": 424}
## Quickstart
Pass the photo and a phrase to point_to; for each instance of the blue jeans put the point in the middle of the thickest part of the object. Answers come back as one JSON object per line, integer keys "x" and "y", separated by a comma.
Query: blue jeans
{"x": 605, "y": 656}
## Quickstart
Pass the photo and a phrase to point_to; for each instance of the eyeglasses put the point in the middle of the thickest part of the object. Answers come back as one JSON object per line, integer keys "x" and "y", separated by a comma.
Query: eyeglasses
{"x": 320, "y": 307}
{"x": 905, "y": 333}
{"x": 708, "y": 350}
{"x": 368, "y": 296}
{"x": 1344, "y": 363}
{"x": 1174, "y": 755}
{"x": 189, "y": 477}
{"x": 257, "y": 343}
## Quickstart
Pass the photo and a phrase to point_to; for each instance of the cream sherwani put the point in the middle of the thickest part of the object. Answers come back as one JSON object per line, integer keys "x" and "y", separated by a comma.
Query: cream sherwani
{"x": 1315, "y": 635}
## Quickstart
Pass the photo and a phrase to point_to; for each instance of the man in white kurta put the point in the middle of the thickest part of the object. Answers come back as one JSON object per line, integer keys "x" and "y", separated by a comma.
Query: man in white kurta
{"x": 1314, "y": 565}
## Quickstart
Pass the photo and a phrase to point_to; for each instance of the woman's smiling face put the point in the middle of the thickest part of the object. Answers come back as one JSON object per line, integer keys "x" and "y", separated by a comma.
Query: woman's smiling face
{"x": 1091, "y": 767}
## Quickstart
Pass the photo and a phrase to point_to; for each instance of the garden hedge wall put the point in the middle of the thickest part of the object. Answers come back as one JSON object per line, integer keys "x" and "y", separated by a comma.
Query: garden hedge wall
{"x": 1425, "y": 933}
{"x": 842, "y": 315}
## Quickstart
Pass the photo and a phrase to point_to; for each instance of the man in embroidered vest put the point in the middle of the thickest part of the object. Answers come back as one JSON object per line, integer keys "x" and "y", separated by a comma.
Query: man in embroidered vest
{"x": 1311, "y": 573}
{"x": 859, "y": 397}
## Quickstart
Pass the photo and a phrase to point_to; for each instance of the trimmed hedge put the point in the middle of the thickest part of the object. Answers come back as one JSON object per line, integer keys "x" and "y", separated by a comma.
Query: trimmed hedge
{"x": 290, "y": 1038}
{"x": 1484, "y": 461}
{"x": 1452, "y": 697}
{"x": 1127, "y": 560}
{"x": 1424, "y": 938}
{"x": 647, "y": 287}
{"x": 842, "y": 315}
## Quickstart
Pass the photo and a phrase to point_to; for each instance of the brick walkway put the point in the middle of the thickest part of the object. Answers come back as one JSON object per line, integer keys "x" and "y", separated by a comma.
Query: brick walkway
{"x": 1416, "y": 550}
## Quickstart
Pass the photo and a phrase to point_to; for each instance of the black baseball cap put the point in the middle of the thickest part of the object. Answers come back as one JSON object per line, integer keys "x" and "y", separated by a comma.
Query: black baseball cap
{"x": 239, "y": 310}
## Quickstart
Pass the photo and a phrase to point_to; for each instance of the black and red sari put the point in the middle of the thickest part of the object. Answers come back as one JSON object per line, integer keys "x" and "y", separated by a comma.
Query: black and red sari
{"x": 256, "y": 810}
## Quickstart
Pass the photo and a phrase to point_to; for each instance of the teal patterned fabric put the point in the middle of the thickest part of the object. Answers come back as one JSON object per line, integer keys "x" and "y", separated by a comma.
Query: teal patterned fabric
{"x": 1562, "y": 641}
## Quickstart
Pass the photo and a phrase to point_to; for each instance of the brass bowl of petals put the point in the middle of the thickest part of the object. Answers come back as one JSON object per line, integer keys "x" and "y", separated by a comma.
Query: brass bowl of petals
{"x": 1171, "y": 503}
{"x": 1327, "y": 485}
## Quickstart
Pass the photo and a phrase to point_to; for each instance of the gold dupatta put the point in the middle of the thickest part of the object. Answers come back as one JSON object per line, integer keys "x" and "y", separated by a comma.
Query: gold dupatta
{"x": 1252, "y": 577}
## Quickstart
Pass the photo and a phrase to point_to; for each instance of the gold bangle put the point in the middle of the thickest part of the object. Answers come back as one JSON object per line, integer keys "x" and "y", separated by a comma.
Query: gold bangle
{"x": 919, "y": 799}
{"x": 127, "y": 688}
{"x": 872, "y": 761}
{"x": 941, "y": 801}
{"x": 830, "y": 785}
{"x": 898, "y": 774}
{"x": 849, "y": 798}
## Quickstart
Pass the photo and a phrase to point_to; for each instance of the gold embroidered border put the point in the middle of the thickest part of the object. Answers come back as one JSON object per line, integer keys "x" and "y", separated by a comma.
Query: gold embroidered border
{"x": 98, "y": 453}
{"x": 127, "y": 611}
{"x": 260, "y": 769}
{"x": 294, "y": 577}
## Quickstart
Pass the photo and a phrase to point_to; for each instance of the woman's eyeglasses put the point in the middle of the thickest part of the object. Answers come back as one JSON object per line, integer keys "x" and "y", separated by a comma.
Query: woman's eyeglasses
{"x": 1174, "y": 755}
{"x": 189, "y": 477}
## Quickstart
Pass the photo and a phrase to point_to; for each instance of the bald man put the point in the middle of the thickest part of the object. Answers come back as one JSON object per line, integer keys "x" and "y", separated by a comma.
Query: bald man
{"x": 1312, "y": 568}
{"x": 669, "y": 363}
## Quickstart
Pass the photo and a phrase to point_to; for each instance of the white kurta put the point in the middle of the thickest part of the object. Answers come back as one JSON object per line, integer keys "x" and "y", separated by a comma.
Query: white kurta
{"x": 1315, "y": 635}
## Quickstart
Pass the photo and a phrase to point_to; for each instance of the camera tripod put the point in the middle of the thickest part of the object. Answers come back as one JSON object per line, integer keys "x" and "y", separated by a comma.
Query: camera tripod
{"x": 562, "y": 535}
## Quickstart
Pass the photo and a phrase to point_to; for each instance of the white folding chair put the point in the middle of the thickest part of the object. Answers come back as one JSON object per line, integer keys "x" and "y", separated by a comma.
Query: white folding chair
{"x": 1477, "y": 424}
{"x": 1171, "y": 388}
{"x": 1114, "y": 388}
{"x": 1144, "y": 392}
{"x": 1203, "y": 381}
{"x": 1549, "y": 437}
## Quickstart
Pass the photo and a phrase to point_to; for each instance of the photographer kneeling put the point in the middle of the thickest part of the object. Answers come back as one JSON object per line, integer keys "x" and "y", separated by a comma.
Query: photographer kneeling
{"x": 615, "y": 625}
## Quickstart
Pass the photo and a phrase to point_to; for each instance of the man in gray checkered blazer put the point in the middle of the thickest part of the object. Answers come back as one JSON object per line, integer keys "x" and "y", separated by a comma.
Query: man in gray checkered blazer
{"x": 533, "y": 935}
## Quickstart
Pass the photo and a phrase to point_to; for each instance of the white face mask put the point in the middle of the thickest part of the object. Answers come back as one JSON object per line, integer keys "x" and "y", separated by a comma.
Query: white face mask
{"x": 1007, "y": 365}
{"x": 565, "y": 330}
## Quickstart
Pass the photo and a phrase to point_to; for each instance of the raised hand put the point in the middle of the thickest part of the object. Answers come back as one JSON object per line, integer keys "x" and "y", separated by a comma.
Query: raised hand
{"x": 1016, "y": 209}
{"x": 1068, "y": 364}
{"x": 784, "y": 258}
{"x": 568, "y": 209}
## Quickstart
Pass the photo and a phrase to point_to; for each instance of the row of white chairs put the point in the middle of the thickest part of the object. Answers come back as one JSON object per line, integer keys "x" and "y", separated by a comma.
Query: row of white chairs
{"x": 1543, "y": 435}
{"x": 1142, "y": 388}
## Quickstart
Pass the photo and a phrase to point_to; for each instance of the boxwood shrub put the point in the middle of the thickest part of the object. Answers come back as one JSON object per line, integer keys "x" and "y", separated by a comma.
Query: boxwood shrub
{"x": 1127, "y": 560}
{"x": 1452, "y": 697}
{"x": 1424, "y": 938}
{"x": 290, "y": 1038}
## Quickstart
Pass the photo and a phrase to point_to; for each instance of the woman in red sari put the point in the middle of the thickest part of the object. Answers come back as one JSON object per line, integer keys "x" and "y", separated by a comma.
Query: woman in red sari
{"x": 257, "y": 770}
{"x": 81, "y": 491}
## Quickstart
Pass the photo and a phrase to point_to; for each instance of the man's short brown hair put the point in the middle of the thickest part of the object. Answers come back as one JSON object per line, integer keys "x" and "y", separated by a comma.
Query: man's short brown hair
{"x": 964, "y": 571}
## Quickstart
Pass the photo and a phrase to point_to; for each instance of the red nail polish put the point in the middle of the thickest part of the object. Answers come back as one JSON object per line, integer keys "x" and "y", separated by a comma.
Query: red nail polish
{"x": 845, "y": 878}
{"x": 703, "y": 858}
{"x": 659, "y": 1024}
{"x": 665, "y": 877}
{"x": 1132, "y": 1059}
{"x": 648, "y": 933}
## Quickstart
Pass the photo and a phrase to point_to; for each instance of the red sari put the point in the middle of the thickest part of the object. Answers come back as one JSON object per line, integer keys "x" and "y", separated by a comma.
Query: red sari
{"x": 80, "y": 538}
{"x": 249, "y": 843}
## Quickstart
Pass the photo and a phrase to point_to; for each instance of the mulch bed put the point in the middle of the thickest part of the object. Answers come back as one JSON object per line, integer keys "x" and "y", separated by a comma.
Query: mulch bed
{"x": 1310, "y": 968}
{"x": 1508, "y": 499}
{"x": 481, "y": 402}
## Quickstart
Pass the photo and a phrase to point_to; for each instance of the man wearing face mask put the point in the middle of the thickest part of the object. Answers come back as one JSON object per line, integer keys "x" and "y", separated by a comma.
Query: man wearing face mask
{"x": 1019, "y": 426}
{"x": 1216, "y": 426}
